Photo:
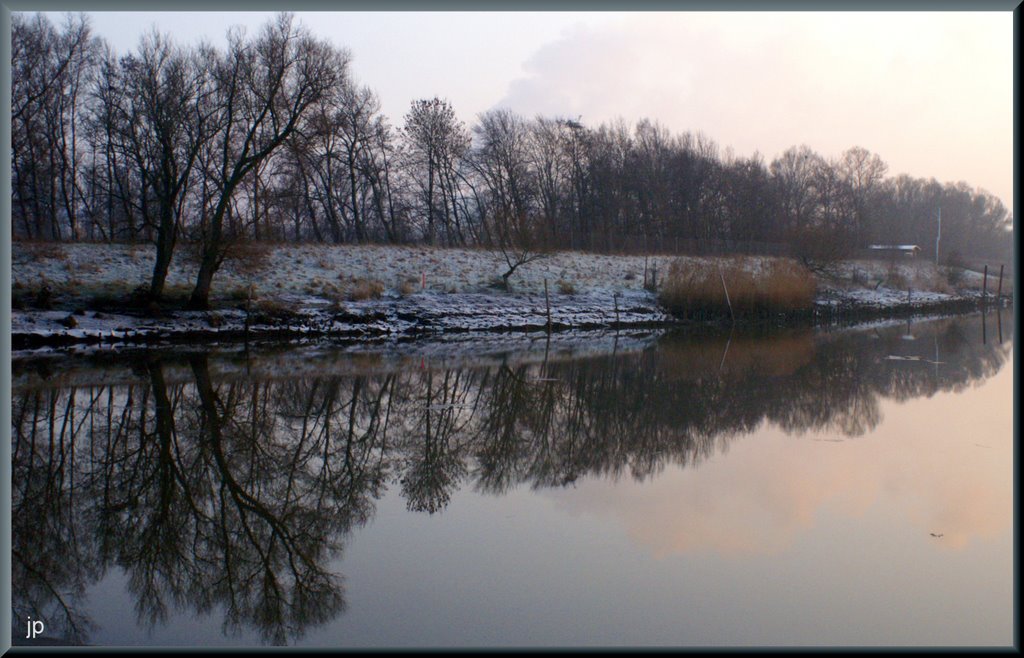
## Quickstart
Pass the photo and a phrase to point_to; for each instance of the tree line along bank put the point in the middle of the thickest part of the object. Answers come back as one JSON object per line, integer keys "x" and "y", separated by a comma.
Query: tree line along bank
{"x": 272, "y": 138}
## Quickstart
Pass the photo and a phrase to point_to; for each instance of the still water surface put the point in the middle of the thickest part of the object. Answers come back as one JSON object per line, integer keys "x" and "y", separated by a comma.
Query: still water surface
{"x": 806, "y": 488}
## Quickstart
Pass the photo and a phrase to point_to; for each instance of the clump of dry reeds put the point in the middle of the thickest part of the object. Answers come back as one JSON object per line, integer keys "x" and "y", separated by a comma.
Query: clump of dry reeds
{"x": 365, "y": 289}
{"x": 696, "y": 287}
{"x": 408, "y": 286}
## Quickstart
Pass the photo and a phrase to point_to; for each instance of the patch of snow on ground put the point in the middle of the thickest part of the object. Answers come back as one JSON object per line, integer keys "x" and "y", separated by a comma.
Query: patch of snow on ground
{"x": 425, "y": 289}
{"x": 331, "y": 272}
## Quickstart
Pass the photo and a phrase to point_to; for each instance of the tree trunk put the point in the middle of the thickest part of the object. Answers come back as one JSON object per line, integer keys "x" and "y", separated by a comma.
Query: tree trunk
{"x": 200, "y": 298}
{"x": 166, "y": 237}
{"x": 430, "y": 203}
{"x": 357, "y": 221}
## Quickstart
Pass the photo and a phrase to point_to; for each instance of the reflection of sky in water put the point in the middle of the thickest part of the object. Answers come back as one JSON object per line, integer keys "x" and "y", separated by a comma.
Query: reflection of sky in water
{"x": 822, "y": 536}
{"x": 944, "y": 461}
{"x": 779, "y": 540}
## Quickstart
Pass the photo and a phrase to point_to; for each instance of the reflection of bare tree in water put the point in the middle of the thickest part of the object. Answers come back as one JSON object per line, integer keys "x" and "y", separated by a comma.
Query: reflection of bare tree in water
{"x": 236, "y": 494}
{"x": 203, "y": 494}
{"x": 433, "y": 462}
{"x": 52, "y": 556}
{"x": 841, "y": 386}
{"x": 504, "y": 447}
{"x": 838, "y": 394}
{"x": 273, "y": 526}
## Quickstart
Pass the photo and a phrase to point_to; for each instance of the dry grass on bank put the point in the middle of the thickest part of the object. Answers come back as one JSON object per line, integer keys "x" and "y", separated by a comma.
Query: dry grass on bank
{"x": 697, "y": 287}
{"x": 365, "y": 289}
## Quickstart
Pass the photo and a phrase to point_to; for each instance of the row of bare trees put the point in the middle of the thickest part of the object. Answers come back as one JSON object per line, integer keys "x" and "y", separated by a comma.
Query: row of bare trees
{"x": 161, "y": 140}
{"x": 271, "y": 138}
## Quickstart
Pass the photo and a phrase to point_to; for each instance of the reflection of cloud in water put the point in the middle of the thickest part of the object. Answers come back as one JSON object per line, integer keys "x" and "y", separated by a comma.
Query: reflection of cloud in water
{"x": 923, "y": 463}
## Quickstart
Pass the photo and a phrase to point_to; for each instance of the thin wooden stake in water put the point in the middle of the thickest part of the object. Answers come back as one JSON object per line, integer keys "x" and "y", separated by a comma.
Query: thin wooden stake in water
{"x": 727, "y": 301}
{"x": 984, "y": 329}
{"x": 248, "y": 309}
{"x": 547, "y": 301}
{"x": 999, "y": 291}
{"x": 726, "y": 351}
{"x": 984, "y": 285}
{"x": 616, "y": 296}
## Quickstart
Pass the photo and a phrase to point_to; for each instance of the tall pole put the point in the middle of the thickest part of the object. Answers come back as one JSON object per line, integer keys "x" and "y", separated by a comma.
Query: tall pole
{"x": 938, "y": 236}
{"x": 547, "y": 302}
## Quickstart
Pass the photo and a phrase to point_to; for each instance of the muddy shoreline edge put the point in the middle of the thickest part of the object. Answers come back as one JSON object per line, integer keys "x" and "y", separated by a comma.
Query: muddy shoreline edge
{"x": 434, "y": 315}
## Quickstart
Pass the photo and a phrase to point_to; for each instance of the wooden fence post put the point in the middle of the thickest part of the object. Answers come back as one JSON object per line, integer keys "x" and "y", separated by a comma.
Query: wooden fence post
{"x": 248, "y": 309}
{"x": 547, "y": 301}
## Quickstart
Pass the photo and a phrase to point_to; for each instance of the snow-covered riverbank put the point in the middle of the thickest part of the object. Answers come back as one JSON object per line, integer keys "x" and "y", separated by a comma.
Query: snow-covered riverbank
{"x": 412, "y": 315}
{"x": 401, "y": 292}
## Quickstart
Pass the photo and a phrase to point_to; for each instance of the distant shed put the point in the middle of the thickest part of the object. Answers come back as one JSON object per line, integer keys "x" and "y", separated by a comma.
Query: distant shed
{"x": 883, "y": 250}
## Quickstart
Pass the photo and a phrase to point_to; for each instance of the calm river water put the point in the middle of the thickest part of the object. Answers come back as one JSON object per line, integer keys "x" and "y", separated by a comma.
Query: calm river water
{"x": 848, "y": 487}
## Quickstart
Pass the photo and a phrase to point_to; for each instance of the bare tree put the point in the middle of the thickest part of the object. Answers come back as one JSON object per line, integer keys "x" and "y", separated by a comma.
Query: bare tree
{"x": 50, "y": 68}
{"x": 162, "y": 119}
{"x": 264, "y": 88}
{"x": 112, "y": 178}
{"x": 833, "y": 206}
{"x": 793, "y": 178}
{"x": 377, "y": 165}
{"x": 550, "y": 160}
{"x": 316, "y": 152}
{"x": 436, "y": 144}
{"x": 501, "y": 160}
{"x": 357, "y": 110}
{"x": 519, "y": 242}
{"x": 863, "y": 172}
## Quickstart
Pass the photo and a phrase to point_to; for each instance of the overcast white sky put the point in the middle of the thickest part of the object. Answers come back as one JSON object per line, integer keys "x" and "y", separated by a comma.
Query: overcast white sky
{"x": 931, "y": 93}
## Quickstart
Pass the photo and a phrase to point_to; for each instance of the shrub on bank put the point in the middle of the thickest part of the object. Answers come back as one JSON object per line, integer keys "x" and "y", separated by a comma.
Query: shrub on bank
{"x": 780, "y": 286}
{"x": 365, "y": 289}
